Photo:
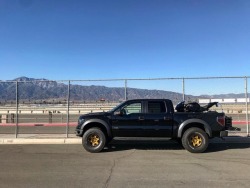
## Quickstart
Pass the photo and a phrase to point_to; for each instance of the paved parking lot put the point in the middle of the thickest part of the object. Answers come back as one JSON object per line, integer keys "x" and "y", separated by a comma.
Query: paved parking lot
{"x": 125, "y": 164}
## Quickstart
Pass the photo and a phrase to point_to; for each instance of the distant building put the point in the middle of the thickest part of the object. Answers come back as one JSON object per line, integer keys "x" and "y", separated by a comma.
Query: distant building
{"x": 224, "y": 101}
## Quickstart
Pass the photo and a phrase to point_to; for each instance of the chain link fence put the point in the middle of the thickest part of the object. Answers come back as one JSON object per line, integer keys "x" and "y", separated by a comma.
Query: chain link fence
{"x": 29, "y": 106}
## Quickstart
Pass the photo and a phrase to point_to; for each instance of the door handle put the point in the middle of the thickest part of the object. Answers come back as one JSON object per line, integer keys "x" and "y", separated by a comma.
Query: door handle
{"x": 141, "y": 118}
{"x": 167, "y": 118}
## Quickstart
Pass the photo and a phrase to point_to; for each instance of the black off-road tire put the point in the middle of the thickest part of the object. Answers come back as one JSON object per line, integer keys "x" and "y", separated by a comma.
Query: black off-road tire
{"x": 195, "y": 140}
{"x": 94, "y": 140}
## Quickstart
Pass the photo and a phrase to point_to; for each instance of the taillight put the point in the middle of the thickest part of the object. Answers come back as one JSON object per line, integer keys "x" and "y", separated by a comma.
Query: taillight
{"x": 221, "y": 120}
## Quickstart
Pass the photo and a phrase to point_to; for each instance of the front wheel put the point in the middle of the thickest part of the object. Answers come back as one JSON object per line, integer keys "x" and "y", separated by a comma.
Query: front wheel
{"x": 93, "y": 140}
{"x": 195, "y": 140}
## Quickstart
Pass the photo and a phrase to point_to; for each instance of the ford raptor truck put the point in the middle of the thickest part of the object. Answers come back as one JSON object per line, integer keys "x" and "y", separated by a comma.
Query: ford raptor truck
{"x": 189, "y": 124}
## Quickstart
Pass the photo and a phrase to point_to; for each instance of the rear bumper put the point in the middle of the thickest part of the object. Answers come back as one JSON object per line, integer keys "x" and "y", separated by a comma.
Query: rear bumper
{"x": 223, "y": 133}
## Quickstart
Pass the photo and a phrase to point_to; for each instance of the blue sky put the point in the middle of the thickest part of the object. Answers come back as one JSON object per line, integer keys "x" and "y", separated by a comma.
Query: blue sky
{"x": 97, "y": 39}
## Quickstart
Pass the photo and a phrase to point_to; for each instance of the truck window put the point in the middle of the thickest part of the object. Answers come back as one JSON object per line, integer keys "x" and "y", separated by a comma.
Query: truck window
{"x": 156, "y": 107}
{"x": 133, "y": 108}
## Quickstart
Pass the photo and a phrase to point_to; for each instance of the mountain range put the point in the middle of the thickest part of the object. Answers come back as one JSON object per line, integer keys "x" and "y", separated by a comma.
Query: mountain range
{"x": 42, "y": 89}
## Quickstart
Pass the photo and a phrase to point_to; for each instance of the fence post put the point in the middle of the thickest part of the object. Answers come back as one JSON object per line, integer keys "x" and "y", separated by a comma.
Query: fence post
{"x": 126, "y": 97}
{"x": 68, "y": 104}
{"x": 246, "y": 94}
{"x": 183, "y": 89}
{"x": 16, "y": 130}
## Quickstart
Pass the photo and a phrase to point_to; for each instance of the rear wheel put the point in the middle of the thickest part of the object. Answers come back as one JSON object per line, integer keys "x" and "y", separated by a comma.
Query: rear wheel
{"x": 195, "y": 140}
{"x": 93, "y": 140}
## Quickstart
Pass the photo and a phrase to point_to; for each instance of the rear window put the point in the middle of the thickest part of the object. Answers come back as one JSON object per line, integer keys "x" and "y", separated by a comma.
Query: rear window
{"x": 155, "y": 107}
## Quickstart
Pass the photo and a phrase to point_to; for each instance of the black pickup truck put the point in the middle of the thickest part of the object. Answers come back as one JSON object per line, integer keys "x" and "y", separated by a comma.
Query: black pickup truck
{"x": 189, "y": 124}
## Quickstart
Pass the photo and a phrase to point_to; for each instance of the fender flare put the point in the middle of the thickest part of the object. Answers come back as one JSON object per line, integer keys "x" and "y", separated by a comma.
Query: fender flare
{"x": 99, "y": 121}
{"x": 206, "y": 126}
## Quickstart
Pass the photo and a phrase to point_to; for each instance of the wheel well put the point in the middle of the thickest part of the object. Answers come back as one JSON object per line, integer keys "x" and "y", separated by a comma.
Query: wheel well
{"x": 197, "y": 125}
{"x": 98, "y": 125}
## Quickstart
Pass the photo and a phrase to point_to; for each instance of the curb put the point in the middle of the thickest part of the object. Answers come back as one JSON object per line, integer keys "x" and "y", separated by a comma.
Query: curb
{"x": 40, "y": 141}
{"x": 227, "y": 140}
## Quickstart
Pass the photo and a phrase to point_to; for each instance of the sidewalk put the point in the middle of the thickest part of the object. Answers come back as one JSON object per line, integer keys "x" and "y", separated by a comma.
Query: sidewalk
{"x": 39, "y": 139}
{"x": 72, "y": 139}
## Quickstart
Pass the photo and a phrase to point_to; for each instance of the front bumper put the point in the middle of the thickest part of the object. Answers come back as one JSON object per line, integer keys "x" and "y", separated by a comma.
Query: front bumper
{"x": 78, "y": 132}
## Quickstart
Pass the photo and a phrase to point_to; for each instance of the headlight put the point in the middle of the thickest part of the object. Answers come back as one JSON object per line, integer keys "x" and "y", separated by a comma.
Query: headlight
{"x": 80, "y": 121}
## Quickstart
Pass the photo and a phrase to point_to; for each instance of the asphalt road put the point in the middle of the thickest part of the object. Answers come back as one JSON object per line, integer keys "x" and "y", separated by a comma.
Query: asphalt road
{"x": 138, "y": 164}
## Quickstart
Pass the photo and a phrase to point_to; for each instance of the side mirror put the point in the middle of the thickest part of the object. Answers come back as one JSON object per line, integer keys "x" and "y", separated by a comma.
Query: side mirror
{"x": 122, "y": 112}
{"x": 117, "y": 113}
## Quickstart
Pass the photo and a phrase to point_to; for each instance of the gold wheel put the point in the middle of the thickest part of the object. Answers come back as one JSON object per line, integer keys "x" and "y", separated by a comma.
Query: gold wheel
{"x": 94, "y": 140}
{"x": 196, "y": 140}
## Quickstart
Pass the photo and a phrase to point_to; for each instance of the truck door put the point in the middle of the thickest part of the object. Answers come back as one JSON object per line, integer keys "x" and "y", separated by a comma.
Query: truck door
{"x": 158, "y": 120}
{"x": 127, "y": 120}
